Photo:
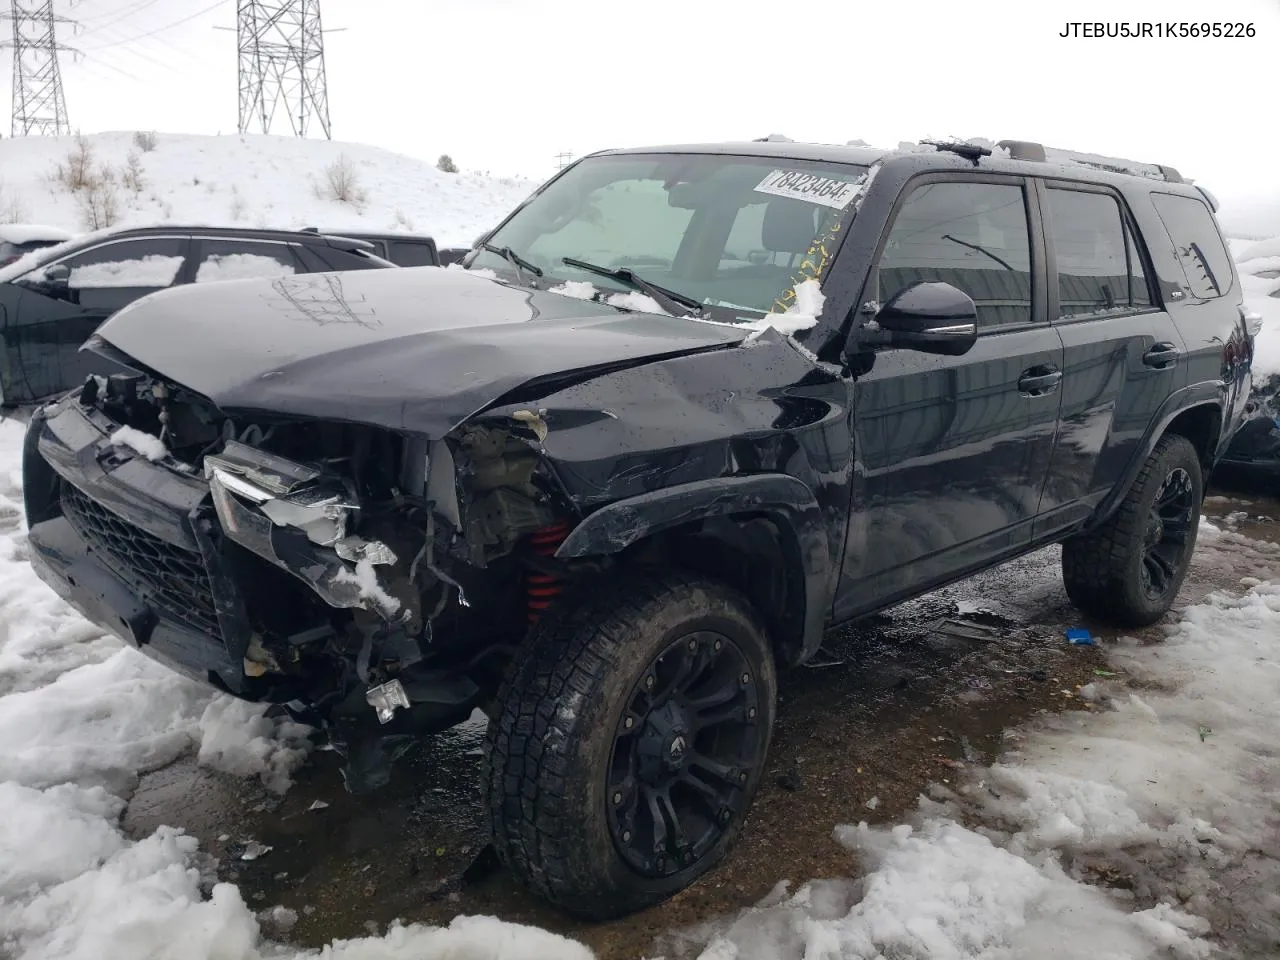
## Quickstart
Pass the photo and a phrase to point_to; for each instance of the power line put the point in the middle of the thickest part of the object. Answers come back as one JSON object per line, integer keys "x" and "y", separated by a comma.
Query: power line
{"x": 39, "y": 102}
{"x": 168, "y": 26}
{"x": 132, "y": 11}
{"x": 281, "y": 49}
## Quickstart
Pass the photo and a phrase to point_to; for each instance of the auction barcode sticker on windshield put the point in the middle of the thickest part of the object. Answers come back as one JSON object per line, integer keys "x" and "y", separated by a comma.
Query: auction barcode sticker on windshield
{"x": 809, "y": 186}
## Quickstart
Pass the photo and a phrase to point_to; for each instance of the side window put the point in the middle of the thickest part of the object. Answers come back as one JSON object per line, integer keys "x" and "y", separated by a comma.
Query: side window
{"x": 1197, "y": 243}
{"x": 406, "y": 253}
{"x": 1099, "y": 269}
{"x": 244, "y": 260}
{"x": 974, "y": 236}
{"x": 109, "y": 277}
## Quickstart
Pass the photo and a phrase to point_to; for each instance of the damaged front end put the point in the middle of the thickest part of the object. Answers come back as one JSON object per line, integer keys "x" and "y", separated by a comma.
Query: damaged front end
{"x": 372, "y": 582}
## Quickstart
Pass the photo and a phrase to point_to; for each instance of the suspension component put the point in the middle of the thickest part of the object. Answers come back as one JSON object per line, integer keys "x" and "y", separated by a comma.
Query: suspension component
{"x": 543, "y": 588}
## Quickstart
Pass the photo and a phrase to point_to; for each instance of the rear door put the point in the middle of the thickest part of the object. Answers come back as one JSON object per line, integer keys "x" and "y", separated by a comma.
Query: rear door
{"x": 1123, "y": 354}
{"x": 955, "y": 449}
{"x": 228, "y": 258}
{"x": 53, "y": 317}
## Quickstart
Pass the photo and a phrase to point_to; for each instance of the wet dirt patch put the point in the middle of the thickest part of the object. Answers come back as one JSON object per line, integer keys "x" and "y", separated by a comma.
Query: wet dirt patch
{"x": 891, "y": 705}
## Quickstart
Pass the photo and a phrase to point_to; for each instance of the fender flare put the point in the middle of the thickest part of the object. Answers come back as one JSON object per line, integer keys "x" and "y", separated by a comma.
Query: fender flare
{"x": 784, "y": 499}
{"x": 1195, "y": 397}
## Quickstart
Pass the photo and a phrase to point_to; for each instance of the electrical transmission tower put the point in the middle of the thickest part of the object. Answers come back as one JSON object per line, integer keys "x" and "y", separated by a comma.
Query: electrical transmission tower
{"x": 39, "y": 104}
{"x": 282, "y": 65}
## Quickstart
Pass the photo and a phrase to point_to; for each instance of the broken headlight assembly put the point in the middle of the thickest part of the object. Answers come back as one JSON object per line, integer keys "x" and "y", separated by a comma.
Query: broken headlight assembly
{"x": 300, "y": 519}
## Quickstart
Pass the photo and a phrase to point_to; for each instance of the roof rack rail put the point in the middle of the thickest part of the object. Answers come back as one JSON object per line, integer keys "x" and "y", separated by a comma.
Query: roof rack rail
{"x": 1038, "y": 153}
{"x": 972, "y": 152}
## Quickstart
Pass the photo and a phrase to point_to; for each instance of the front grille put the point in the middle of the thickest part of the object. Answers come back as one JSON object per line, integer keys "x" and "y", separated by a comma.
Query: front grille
{"x": 171, "y": 577}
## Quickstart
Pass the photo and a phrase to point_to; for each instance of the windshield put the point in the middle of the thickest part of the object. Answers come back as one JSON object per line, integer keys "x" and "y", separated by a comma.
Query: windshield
{"x": 732, "y": 233}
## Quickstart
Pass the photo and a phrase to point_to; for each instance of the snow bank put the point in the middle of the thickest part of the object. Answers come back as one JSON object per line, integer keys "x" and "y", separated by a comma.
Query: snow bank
{"x": 81, "y": 717}
{"x": 265, "y": 182}
{"x": 1166, "y": 794}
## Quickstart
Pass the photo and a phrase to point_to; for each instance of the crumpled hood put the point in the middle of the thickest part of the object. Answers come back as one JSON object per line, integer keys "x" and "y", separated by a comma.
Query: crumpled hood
{"x": 411, "y": 349}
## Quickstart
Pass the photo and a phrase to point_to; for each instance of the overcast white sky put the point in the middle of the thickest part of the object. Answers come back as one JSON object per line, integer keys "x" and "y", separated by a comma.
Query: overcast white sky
{"x": 504, "y": 85}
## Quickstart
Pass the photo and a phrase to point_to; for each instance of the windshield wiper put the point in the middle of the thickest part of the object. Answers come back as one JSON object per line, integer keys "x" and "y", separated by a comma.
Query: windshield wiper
{"x": 522, "y": 265}
{"x": 628, "y": 276}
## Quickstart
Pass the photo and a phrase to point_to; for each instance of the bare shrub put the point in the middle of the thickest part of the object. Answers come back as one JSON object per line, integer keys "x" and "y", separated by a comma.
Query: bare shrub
{"x": 99, "y": 200}
{"x": 13, "y": 209}
{"x": 403, "y": 220}
{"x": 145, "y": 140}
{"x": 342, "y": 182}
{"x": 446, "y": 164}
{"x": 76, "y": 172}
{"x": 132, "y": 174}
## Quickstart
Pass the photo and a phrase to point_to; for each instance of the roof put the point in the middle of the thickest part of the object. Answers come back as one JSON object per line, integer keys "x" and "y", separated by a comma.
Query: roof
{"x": 1058, "y": 163}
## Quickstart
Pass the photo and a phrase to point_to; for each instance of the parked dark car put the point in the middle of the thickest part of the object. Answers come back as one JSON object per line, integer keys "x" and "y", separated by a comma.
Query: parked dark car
{"x": 402, "y": 249}
{"x": 51, "y": 302}
{"x": 685, "y": 409}
{"x": 19, "y": 239}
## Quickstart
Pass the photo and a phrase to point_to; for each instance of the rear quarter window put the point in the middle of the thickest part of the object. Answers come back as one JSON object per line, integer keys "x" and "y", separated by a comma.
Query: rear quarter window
{"x": 1197, "y": 244}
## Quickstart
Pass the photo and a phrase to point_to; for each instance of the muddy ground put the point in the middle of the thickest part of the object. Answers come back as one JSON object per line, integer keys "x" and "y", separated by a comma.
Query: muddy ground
{"x": 897, "y": 702}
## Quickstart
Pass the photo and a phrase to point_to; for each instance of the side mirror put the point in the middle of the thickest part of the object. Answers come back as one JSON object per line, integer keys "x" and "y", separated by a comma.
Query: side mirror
{"x": 58, "y": 275}
{"x": 932, "y": 317}
{"x": 47, "y": 280}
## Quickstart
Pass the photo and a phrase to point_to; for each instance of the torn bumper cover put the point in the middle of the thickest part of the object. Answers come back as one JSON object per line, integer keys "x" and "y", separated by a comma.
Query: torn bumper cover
{"x": 298, "y": 519}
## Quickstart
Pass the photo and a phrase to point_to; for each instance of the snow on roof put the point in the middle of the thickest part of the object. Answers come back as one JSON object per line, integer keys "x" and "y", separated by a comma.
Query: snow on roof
{"x": 31, "y": 233}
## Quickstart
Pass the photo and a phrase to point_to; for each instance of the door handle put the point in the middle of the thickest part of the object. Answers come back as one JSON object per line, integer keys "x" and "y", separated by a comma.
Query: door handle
{"x": 1161, "y": 355}
{"x": 1039, "y": 381}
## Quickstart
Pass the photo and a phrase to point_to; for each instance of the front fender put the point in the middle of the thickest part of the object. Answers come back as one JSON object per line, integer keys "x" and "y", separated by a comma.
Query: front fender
{"x": 784, "y": 499}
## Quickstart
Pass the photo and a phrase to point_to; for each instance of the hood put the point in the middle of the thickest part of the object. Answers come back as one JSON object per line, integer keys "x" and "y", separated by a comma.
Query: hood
{"x": 412, "y": 349}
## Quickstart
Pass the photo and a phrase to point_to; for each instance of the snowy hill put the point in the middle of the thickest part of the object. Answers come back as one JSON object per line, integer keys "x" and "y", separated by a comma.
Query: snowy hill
{"x": 252, "y": 180}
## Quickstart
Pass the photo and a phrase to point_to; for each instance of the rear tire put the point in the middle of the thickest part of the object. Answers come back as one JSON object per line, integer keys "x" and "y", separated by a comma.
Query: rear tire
{"x": 629, "y": 739}
{"x": 1128, "y": 571}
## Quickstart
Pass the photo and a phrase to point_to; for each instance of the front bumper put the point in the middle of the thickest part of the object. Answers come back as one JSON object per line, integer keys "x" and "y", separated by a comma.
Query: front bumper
{"x": 130, "y": 544}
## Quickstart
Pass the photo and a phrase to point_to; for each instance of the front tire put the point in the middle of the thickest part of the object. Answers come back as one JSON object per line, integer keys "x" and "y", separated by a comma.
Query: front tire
{"x": 628, "y": 743}
{"x": 1129, "y": 571}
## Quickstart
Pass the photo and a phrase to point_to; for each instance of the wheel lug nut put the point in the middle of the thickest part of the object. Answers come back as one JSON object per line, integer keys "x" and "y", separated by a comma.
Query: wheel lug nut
{"x": 648, "y": 682}
{"x": 719, "y": 644}
{"x": 751, "y": 713}
{"x": 628, "y": 723}
{"x": 693, "y": 644}
{"x": 724, "y": 816}
{"x": 617, "y": 797}
{"x": 746, "y": 678}
{"x": 742, "y": 778}
{"x": 626, "y": 836}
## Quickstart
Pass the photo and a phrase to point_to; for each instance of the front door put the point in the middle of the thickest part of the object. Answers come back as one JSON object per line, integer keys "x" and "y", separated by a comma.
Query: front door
{"x": 955, "y": 450}
{"x": 61, "y": 304}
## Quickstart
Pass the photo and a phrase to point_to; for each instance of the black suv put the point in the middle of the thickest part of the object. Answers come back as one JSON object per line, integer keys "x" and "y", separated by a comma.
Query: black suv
{"x": 52, "y": 301}
{"x": 685, "y": 409}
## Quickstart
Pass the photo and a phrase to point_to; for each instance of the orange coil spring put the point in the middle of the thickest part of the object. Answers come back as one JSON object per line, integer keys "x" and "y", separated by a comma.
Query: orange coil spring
{"x": 543, "y": 588}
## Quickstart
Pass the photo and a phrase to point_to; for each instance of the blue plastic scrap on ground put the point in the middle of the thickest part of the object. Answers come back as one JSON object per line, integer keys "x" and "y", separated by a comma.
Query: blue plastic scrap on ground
{"x": 1080, "y": 637}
